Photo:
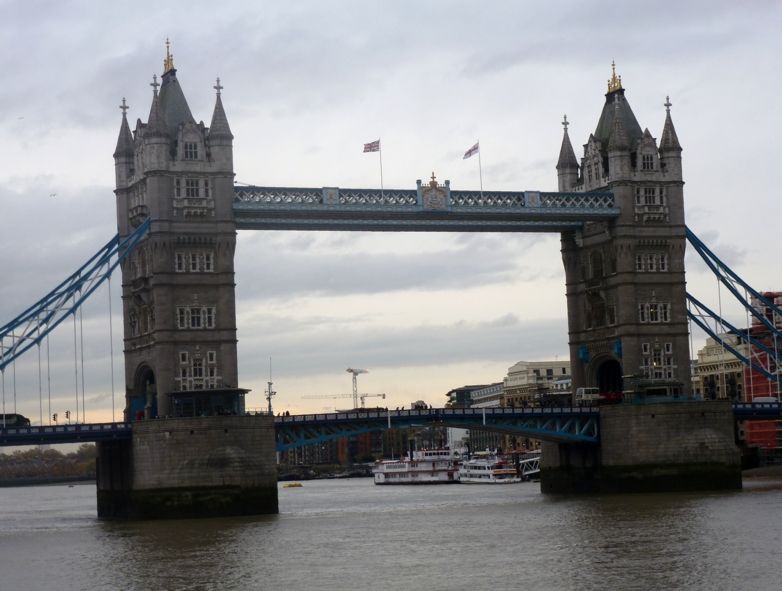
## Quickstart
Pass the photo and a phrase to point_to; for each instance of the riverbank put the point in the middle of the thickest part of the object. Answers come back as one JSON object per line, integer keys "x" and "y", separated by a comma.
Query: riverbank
{"x": 45, "y": 481}
{"x": 770, "y": 472}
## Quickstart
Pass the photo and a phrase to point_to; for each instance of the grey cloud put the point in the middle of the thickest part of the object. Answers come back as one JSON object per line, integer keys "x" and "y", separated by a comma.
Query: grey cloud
{"x": 276, "y": 270}
{"x": 302, "y": 347}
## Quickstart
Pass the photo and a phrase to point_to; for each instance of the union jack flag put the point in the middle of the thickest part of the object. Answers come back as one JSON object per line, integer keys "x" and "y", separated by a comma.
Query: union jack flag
{"x": 471, "y": 152}
{"x": 372, "y": 146}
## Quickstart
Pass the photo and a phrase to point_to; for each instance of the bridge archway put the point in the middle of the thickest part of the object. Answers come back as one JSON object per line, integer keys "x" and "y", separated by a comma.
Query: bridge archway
{"x": 143, "y": 399}
{"x": 609, "y": 376}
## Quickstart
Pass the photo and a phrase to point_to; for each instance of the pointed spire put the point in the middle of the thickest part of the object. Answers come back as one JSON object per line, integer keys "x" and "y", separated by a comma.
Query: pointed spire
{"x": 156, "y": 124}
{"x": 614, "y": 82}
{"x": 618, "y": 138}
{"x": 669, "y": 140}
{"x": 173, "y": 104}
{"x": 567, "y": 157}
{"x": 219, "y": 126}
{"x": 168, "y": 62}
{"x": 125, "y": 139}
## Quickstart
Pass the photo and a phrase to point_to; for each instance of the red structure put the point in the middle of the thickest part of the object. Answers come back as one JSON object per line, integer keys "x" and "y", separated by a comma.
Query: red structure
{"x": 764, "y": 434}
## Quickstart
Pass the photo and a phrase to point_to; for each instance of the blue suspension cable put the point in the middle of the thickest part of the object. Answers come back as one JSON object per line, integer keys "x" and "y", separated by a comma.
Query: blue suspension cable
{"x": 744, "y": 336}
{"x": 713, "y": 334}
{"x": 720, "y": 269}
{"x": 32, "y": 325}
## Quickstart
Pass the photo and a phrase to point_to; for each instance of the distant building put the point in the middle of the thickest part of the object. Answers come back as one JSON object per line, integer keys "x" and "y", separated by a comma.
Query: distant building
{"x": 462, "y": 397}
{"x": 718, "y": 373}
{"x": 528, "y": 381}
{"x": 488, "y": 396}
{"x": 766, "y": 435}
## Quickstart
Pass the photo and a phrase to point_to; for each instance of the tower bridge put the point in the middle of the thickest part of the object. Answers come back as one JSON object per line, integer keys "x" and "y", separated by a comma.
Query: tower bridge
{"x": 619, "y": 210}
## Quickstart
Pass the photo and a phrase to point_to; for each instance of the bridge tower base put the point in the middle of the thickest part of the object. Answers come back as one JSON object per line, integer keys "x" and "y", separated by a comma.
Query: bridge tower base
{"x": 676, "y": 446}
{"x": 194, "y": 467}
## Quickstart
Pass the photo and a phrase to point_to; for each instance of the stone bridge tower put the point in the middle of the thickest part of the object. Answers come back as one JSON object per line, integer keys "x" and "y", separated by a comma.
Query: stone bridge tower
{"x": 625, "y": 278}
{"x": 178, "y": 284}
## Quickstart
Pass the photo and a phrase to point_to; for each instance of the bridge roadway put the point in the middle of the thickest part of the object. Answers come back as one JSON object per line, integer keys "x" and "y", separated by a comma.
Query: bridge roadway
{"x": 580, "y": 424}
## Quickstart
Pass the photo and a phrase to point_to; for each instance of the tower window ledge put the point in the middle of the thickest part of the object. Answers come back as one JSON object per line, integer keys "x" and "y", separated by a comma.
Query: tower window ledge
{"x": 199, "y": 212}
{"x": 138, "y": 214}
{"x": 139, "y": 283}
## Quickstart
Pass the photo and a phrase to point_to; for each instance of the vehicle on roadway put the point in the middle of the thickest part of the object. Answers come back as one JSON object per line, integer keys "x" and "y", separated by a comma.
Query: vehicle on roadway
{"x": 14, "y": 420}
{"x": 594, "y": 397}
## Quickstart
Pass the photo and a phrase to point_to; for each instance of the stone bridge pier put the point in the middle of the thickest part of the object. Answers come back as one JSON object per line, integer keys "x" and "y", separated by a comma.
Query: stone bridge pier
{"x": 680, "y": 446}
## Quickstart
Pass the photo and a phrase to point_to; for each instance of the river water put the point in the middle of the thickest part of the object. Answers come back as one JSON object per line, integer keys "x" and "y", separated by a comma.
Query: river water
{"x": 352, "y": 535}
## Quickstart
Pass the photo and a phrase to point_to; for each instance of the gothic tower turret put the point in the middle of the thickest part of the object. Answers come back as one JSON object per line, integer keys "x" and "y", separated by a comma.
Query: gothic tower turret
{"x": 123, "y": 154}
{"x": 625, "y": 278}
{"x": 567, "y": 165}
{"x": 670, "y": 149}
{"x": 178, "y": 284}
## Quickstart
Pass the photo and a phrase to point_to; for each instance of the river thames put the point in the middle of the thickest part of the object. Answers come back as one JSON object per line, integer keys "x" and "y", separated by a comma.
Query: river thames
{"x": 350, "y": 534}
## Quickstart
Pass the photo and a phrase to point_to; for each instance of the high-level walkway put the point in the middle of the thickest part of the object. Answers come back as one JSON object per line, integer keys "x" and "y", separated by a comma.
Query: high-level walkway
{"x": 428, "y": 208}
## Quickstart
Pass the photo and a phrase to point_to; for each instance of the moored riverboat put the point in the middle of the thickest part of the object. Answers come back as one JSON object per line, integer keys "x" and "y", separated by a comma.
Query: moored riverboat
{"x": 428, "y": 466}
{"x": 488, "y": 468}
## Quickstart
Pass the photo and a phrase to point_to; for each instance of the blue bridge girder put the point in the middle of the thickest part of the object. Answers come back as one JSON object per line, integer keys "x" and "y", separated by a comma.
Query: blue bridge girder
{"x": 564, "y": 425}
{"x": 414, "y": 210}
{"x": 75, "y": 433}
{"x": 744, "y": 411}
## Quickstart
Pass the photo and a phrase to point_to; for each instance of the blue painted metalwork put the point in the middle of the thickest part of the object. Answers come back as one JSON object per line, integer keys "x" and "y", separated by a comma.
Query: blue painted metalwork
{"x": 702, "y": 311}
{"x": 425, "y": 209}
{"x": 31, "y": 326}
{"x": 574, "y": 425}
{"x": 757, "y": 410}
{"x": 728, "y": 278}
{"x": 50, "y": 434}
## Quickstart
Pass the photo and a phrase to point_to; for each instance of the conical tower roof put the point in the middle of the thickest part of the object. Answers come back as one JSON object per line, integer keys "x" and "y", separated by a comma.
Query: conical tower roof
{"x": 567, "y": 156}
{"x": 172, "y": 100}
{"x": 156, "y": 124}
{"x": 616, "y": 106}
{"x": 125, "y": 139}
{"x": 669, "y": 139}
{"x": 618, "y": 139}
{"x": 219, "y": 126}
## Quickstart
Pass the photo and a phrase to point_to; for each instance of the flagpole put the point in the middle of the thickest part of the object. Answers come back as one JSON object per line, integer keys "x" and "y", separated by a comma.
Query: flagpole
{"x": 380, "y": 152}
{"x": 480, "y": 168}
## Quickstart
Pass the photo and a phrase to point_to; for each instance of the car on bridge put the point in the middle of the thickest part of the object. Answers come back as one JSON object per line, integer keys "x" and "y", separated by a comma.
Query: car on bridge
{"x": 594, "y": 397}
{"x": 14, "y": 420}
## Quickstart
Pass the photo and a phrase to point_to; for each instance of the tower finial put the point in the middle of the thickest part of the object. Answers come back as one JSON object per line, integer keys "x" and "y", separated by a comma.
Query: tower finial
{"x": 168, "y": 63}
{"x": 218, "y": 87}
{"x": 565, "y": 122}
{"x": 615, "y": 82}
{"x": 154, "y": 84}
{"x": 124, "y": 107}
{"x": 667, "y": 104}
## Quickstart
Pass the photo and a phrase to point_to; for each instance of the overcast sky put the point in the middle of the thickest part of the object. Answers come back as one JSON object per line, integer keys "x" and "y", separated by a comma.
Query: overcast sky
{"x": 305, "y": 85}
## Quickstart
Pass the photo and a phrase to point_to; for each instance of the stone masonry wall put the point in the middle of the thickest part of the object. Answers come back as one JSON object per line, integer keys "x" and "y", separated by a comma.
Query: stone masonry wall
{"x": 676, "y": 433}
{"x": 226, "y": 451}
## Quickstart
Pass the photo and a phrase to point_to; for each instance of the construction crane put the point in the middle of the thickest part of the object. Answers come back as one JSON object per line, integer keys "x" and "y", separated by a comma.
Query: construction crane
{"x": 361, "y": 397}
{"x": 355, "y": 372}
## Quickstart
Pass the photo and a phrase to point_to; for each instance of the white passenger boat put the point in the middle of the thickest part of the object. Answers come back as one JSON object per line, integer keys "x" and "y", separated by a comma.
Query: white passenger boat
{"x": 428, "y": 466}
{"x": 488, "y": 468}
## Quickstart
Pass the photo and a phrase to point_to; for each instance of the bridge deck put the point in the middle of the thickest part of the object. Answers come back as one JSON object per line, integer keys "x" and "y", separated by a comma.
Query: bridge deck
{"x": 417, "y": 210}
{"x": 78, "y": 433}
{"x": 556, "y": 424}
